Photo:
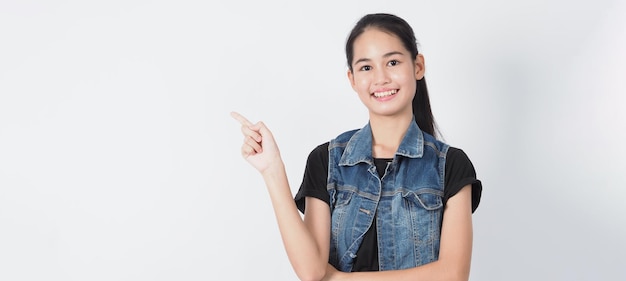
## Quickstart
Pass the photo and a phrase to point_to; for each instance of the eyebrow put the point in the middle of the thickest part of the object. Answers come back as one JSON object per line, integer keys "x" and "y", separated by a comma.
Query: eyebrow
{"x": 384, "y": 56}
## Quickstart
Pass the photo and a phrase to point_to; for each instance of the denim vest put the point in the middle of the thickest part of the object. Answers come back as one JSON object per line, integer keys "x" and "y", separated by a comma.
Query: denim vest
{"x": 406, "y": 202}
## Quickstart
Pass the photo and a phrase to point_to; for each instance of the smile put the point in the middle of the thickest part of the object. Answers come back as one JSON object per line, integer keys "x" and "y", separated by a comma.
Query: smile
{"x": 385, "y": 93}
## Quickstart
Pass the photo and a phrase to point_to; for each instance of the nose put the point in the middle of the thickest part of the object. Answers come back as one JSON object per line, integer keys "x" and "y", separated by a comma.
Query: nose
{"x": 381, "y": 76}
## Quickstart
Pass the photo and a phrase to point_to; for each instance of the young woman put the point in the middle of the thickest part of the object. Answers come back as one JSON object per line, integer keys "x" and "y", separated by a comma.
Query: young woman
{"x": 388, "y": 201}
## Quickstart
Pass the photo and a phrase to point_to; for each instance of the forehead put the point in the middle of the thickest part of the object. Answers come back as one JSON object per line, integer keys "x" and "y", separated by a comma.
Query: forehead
{"x": 375, "y": 42}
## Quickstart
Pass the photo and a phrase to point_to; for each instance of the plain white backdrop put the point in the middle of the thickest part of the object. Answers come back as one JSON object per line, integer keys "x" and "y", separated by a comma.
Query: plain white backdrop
{"x": 119, "y": 160}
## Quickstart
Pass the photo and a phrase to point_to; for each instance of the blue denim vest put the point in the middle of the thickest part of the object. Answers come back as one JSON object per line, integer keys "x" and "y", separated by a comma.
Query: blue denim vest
{"x": 406, "y": 202}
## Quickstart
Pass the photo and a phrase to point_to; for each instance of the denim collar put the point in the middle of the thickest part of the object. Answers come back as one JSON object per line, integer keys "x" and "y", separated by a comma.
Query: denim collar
{"x": 359, "y": 147}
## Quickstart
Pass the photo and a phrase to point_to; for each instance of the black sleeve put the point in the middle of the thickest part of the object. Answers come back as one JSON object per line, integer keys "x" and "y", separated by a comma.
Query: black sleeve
{"x": 459, "y": 173}
{"x": 315, "y": 177}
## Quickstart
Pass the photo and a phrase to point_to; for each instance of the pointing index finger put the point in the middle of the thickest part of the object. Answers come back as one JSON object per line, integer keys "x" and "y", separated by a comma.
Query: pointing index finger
{"x": 240, "y": 118}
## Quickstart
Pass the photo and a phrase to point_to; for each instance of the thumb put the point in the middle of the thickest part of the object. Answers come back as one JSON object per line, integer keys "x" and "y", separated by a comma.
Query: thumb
{"x": 266, "y": 135}
{"x": 261, "y": 128}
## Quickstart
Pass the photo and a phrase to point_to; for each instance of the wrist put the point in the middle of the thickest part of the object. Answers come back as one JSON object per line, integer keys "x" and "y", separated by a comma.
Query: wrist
{"x": 276, "y": 170}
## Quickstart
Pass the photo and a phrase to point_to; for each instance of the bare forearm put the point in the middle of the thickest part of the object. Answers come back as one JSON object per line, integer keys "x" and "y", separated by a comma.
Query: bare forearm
{"x": 304, "y": 253}
{"x": 435, "y": 271}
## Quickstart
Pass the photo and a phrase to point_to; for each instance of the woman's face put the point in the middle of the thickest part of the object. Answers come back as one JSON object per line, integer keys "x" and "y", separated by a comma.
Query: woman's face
{"x": 384, "y": 73}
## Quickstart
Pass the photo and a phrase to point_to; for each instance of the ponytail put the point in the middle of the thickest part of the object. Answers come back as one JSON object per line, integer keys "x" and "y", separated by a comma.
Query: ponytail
{"x": 421, "y": 109}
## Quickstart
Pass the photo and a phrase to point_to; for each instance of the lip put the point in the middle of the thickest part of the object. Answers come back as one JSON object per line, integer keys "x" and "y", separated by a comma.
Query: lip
{"x": 384, "y": 90}
{"x": 384, "y": 94}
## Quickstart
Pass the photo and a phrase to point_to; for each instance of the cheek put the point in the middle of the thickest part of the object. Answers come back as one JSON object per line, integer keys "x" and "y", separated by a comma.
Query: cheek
{"x": 405, "y": 78}
{"x": 362, "y": 84}
{"x": 401, "y": 75}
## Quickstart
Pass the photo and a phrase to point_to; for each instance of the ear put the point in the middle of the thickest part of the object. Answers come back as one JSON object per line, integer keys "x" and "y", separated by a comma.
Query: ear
{"x": 351, "y": 78}
{"x": 420, "y": 67}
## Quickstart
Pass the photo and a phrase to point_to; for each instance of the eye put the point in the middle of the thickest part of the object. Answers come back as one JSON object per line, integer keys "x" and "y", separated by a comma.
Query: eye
{"x": 365, "y": 68}
{"x": 393, "y": 63}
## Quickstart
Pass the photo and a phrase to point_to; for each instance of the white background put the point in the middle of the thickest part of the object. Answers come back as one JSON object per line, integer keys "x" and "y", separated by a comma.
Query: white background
{"x": 119, "y": 160}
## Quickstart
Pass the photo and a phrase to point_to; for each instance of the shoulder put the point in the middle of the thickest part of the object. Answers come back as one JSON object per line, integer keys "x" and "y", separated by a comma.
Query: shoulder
{"x": 344, "y": 137}
{"x": 320, "y": 151}
{"x": 457, "y": 158}
{"x": 318, "y": 157}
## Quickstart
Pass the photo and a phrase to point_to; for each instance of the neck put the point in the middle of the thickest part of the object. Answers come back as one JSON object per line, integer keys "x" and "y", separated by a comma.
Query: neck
{"x": 387, "y": 134}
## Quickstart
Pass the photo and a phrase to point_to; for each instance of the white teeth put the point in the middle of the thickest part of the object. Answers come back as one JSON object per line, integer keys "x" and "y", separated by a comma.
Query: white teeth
{"x": 384, "y": 94}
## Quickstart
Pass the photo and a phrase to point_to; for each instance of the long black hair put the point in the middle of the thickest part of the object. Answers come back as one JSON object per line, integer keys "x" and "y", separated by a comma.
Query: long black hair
{"x": 400, "y": 28}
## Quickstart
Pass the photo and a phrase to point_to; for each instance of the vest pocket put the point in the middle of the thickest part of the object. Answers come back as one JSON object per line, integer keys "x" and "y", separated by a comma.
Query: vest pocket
{"x": 429, "y": 199}
{"x": 343, "y": 197}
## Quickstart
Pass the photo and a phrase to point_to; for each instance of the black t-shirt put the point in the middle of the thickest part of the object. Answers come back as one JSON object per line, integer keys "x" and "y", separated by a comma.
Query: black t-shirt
{"x": 459, "y": 172}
